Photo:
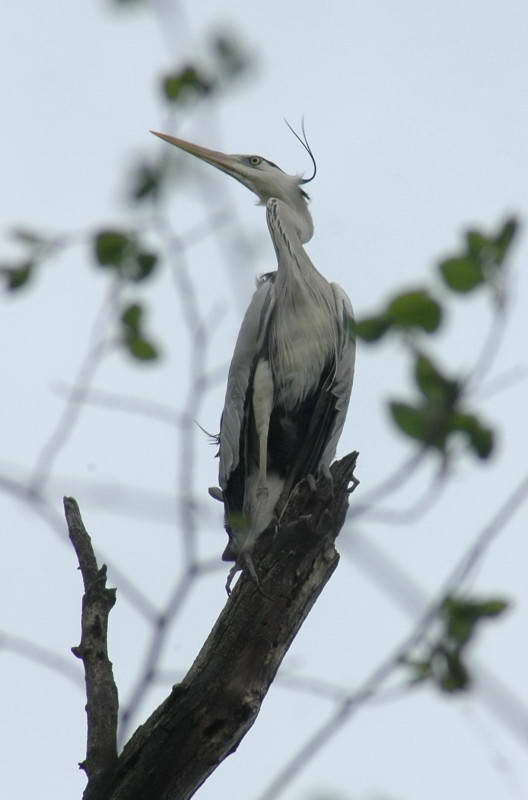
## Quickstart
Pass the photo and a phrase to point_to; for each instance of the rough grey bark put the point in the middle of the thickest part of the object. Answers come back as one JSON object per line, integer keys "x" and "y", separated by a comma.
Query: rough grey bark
{"x": 101, "y": 691}
{"x": 206, "y": 716}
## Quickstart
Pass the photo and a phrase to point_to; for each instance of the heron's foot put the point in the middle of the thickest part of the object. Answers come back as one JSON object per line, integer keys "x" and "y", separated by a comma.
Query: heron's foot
{"x": 231, "y": 574}
{"x": 216, "y": 493}
{"x": 245, "y": 562}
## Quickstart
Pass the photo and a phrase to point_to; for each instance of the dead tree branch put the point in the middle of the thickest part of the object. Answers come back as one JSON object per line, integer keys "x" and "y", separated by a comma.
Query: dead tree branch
{"x": 207, "y": 715}
{"x": 101, "y": 691}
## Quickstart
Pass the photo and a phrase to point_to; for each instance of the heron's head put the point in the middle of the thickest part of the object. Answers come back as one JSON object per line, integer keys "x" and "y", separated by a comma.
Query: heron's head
{"x": 259, "y": 175}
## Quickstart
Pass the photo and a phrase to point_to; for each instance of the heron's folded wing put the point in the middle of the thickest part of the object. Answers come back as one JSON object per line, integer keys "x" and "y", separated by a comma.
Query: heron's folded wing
{"x": 344, "y": 372}
{"x": 248, "y": 346}
{"x": 329, "y": 403}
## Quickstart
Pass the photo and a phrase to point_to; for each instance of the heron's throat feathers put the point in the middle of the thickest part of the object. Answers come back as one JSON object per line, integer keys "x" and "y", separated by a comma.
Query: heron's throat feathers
{"x": 289, "y": 222}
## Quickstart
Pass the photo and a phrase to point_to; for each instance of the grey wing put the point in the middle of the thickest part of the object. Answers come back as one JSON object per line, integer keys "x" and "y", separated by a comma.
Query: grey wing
{"x": 247, "y": 348}
{"x": 344, "y": 373}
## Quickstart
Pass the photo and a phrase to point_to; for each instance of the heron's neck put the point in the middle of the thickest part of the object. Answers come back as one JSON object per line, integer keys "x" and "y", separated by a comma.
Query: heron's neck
{"x": 290, "y": 227}
{"x": 291, "y": 211}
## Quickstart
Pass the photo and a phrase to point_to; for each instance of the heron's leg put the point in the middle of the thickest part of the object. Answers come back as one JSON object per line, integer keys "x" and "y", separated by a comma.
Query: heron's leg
{"x": 262, "y": 408}
{"x": 327, "y": 484}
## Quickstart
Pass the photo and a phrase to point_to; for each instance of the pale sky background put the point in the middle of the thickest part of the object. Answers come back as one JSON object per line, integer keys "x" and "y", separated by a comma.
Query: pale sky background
{"x": 418, "y": 115}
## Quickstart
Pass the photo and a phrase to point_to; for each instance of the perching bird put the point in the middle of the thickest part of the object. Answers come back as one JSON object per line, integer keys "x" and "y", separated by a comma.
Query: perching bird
{"x": 291, "y": 373}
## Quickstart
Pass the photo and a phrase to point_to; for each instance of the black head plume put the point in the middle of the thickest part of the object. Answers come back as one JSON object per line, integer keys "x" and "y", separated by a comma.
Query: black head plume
{"x": 304, "y": 141}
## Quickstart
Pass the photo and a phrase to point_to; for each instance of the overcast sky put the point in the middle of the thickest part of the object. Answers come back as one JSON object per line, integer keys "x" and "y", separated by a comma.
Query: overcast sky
{"x": 418, "y": 116}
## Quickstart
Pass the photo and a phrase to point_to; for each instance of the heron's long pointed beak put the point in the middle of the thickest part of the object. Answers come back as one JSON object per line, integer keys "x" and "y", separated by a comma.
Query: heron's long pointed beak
{"x": 220, "y": 160}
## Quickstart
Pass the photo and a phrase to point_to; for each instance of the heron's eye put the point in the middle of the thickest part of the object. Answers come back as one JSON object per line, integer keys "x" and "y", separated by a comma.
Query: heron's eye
{"x": 254, "y": 161}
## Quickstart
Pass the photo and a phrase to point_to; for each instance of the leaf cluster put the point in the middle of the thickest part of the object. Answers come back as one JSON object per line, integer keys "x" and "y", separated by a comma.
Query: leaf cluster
{"x": 194, "y": 80}
{"x": 480, "y": 260}
{"x": 37, "y": 247}
{"x": 133, "y": 336}
{"x": 123, "y": 253}
{"x": 440, "y": 413}
{"x": 445, "y": 662}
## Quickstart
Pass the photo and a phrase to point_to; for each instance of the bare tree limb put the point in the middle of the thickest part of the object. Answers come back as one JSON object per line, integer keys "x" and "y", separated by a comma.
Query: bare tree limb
{"x": 206, "y": 716}
{"x": 101, "y": 690}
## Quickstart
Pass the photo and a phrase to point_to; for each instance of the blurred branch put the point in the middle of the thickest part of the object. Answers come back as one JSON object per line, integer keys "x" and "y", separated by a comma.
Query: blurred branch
{"x": 371, "y": 685}
{"x": 501, "y": 382}
{"x": 125, "y": 404}
{"x": 101, "y": 691}
{"x": 41, "y": 655}
{"x": 70, "y": 413}
{"x": 43, "y": 509}
{"x": 404, "y": 591}
{"x": 421, "y": 506}
{"x": 489, "y": 350}
{"x": 198, "y": 333}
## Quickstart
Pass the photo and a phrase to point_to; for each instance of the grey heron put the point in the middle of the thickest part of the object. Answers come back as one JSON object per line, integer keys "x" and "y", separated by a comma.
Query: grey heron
{"x": 291, "y": 373}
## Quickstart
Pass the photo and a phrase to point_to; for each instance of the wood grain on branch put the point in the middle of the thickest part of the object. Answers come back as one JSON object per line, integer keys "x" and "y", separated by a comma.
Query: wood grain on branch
{"x": 206, "y": 716}
{"x": 101, "y": 691}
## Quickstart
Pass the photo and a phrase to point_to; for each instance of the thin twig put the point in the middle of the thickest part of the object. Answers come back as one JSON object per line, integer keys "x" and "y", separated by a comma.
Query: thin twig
{"x": 501, "y": 382}
{"x": 489, "y": 350}
{"x": 113, "y": 401}
{"x": 421, "y": 506}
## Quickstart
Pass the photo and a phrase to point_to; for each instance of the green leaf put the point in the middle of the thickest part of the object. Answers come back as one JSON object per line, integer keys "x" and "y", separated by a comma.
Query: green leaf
{"x": 494, "y": 606}
{"x": 432, "y": 384}
{"x": 184, "y": 85}
{"x": 17, "y": 276}
{"x": 481, "y": 259}
{"x": 370, "y": 329}
{"x": 134, "y": 339}
{"x": 146, "y": 263}
{"x": 415, "y": 309}
{"x": 146, "y": 182}
{"x": 463, "y": 614}
{"x": 412, "y": 421}
{"x": 462, "y": 274}
{"x": 476, "y": 242}
{"x": 231, "y": 59}
{"x": 480, "y": 438}
{"x": 504, "y": 238}
{"x": 140, "y": 348}
{"x": 111, "y": 247}
{"x": 131, "y": 317}
{"x": 453, "y": 676}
